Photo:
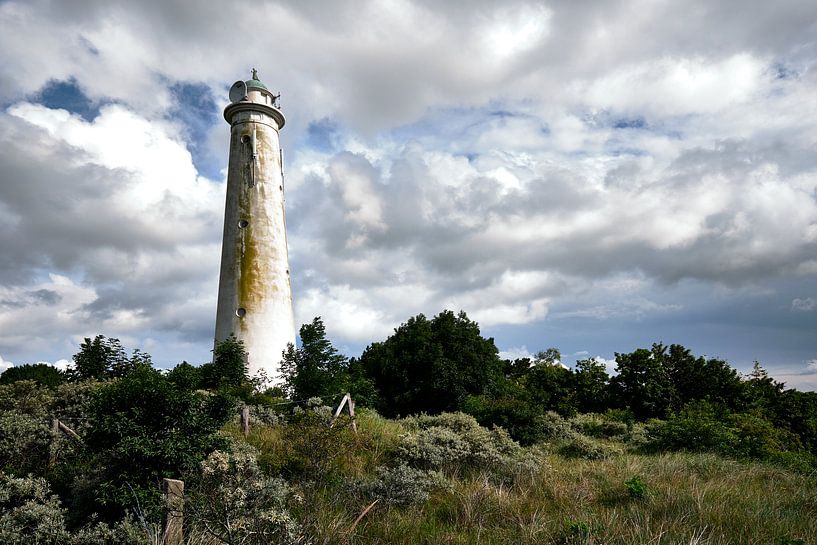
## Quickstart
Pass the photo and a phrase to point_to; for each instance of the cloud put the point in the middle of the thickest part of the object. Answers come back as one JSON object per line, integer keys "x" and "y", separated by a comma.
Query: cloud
{"x": 5, "y": 364}
{"x": 515, "y": 353}
{"x": 589, "y": 163}
{"x": 811, "y": 365}
{"x": 103, "y": 201}
{"x": 805, "y": 304}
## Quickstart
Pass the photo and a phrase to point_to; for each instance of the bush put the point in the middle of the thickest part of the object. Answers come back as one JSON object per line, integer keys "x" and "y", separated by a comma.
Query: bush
{"x": 25, "y": 443}
{"x": 636, "y": 488}
{"x": 588, "y": 448}
{"x": 556, "y": 427}
{"x": 696, "y": 428}
{"x": 522, "y": 420}
{"x": 233, "y": 501}
{"x": 26, "y": 397}
{"x": 310, "y": 448}
{"x": 145, "y": 428}
{"x": 596, "y": 425}
{"x": 29, "y": 513}
{"x": 454, "y": 442}
{"x": 741, "y": 435}
{"x": 401, "y": 485}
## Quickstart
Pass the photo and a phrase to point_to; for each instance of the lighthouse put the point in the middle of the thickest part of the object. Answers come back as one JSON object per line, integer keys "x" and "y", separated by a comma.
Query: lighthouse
{"x": 254, "y": 292}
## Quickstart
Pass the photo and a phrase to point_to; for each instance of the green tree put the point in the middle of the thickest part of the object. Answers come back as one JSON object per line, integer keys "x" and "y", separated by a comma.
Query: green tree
{"x": 103, "y": 357}
{"x": 144, "y": 428}
{"x": 316, "y": 369}
{"x": 185, "y": 376}
{"x": 96, "y": 358}
{"x": 591, "y": 382}
{"x": 431, "y": 365}
{"x": 229, "y": 366}
{"x": 550, "y": 384}
{"x": 698, "y": 378}
{"x": 40, "y": 373}
{"x": 643, "y": 383}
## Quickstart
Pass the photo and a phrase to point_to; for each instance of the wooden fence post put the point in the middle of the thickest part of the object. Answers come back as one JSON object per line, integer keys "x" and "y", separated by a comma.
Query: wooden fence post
{"x": 55, "y": 430}
{"x": 351, "y": 404}
{"x": 245, "y": 421}
{"x": 174, "y": 511}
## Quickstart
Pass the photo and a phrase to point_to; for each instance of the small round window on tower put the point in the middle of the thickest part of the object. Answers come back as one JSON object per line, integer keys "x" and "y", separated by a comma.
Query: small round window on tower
{"x": 245, "y": 139}
{"x": 242, "y": 224}
{"x": 241, "y": 312}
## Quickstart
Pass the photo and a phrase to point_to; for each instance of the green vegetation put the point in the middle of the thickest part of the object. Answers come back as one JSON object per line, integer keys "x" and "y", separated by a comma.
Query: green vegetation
{"x": 671, "y": 449}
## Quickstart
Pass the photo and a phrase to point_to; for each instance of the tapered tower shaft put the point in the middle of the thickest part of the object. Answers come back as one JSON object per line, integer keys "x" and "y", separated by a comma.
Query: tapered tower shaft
{"x": 254, "y": 295}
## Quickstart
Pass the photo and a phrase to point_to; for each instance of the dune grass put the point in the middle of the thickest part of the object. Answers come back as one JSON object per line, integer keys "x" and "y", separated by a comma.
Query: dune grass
{"x": 687, "y": 499}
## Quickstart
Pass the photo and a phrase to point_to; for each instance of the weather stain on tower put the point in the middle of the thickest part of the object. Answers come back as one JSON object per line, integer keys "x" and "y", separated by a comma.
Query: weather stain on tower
{"x": 255, "y": 297}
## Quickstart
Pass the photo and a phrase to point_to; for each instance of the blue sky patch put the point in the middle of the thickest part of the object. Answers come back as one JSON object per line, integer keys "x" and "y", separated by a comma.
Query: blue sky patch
{"x": 323, "y": 135}
{"x": 67, "y": 95}
{"x": 198, "y": 112}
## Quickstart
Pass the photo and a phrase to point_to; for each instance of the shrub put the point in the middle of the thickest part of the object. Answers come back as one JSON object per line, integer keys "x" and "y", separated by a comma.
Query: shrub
{"x": 26, "y": 397}
{"x": 145, "y": 428}
{"x": 636, "y": 488}
{"x": 588, "y": 448}
{"x": 522, "y": 420}
{"x": 310, "y": 448}
{"x": 556, "y": 427}
{"x": 596, "y": 425}
{"x": 24, "y": 443}
{"x": 29, "y": 513}
{"x": 695, "y": 428}
{"x": 454, "y": 442}
{"x": 233, "y": 501}
{"x": 401, "y": 485}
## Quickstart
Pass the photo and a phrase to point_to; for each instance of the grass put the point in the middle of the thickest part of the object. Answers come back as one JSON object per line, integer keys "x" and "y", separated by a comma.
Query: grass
{"x": 689, "y": 499}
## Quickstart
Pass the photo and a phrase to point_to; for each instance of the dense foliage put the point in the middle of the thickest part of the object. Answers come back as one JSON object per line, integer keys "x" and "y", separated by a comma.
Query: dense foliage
{"x": 431, "y": 365}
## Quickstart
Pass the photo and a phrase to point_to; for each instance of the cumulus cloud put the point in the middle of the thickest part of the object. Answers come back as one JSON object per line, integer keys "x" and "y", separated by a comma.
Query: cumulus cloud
{"x": 116, "y": 209}
{"x": 5, "y": 364}
{"x": 575, "y": 163}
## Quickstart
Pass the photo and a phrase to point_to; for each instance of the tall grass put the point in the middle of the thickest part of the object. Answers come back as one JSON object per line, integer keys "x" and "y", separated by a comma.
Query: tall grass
{"x": 687, "y": 499}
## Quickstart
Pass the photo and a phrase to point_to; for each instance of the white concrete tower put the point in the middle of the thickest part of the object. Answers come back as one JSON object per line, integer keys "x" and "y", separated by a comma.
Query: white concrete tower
{"x": 254, "y": 293}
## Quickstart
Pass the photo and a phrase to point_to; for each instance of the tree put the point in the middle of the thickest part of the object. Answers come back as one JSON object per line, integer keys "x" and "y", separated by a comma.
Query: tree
{"x": 550, "y": 384}
{"x": 145, "y": 428}
{"x": 229, "y": 366}
{"x": 591, "y": 382}
{"x": 96, "y": 358}
{"x": 431, "y": 365}
{"x": 103, "y": 358}
{"x": 316, "y": 369}
{"x": 694, "y": 378}
{"x": 40, "y": 373}
{"x": 643, "y": 383}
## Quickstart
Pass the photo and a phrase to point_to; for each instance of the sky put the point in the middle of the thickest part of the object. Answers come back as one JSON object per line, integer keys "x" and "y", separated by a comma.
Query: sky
{"x": 592, "y": 176}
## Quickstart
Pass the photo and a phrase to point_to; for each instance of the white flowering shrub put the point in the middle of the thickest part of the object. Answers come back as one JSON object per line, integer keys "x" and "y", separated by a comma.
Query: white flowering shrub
{"x": 233, "y": 501}
{"x": 555, "y": 427}
{"x": 29, "y": 513}
{"x": 454, "y": 442}
{"x": 25, "y": 443}
{"x": 265, "y": 415}
{"x": 402, "y": 485}
{"x": 26, "y": 397}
